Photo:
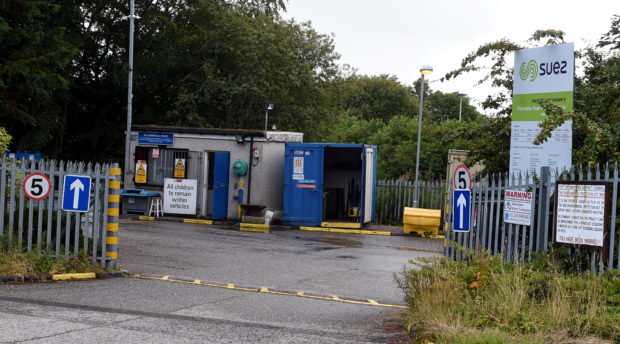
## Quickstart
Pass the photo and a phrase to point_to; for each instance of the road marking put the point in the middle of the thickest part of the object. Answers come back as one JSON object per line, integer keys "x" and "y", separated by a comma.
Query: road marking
{"x": 197, "y": 221}
{"x": 367, "y": 302}
{"x": 63, "y": 277}
{"x": 344, "y": 231}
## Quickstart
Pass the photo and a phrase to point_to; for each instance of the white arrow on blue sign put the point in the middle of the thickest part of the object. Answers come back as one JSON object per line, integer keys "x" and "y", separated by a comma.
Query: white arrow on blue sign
{"x": 461, "y": 202}
{"x": 76, "y": 193}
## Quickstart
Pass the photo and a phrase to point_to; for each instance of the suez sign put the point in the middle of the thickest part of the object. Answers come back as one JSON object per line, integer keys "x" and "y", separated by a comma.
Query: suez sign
{"x": 544, "y": 74}
{"x": 532, "y": 69}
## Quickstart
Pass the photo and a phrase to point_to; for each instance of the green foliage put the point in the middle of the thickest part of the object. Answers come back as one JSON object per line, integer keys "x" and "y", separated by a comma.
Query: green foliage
{"x": 5, "y": 140}
{"x": 381, "y": 97}
{"x": 14, "y": 262}
{"x": 33, "y": 54}
{"x": 486, "y": 300}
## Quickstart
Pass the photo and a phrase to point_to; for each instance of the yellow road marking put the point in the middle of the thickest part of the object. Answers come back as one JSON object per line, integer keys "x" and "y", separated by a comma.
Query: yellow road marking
{"x": 266, "y": 290}
{"x": 63, "y": 277}
{"x": 202, "y": 222}
{"x": 352, "y": 225}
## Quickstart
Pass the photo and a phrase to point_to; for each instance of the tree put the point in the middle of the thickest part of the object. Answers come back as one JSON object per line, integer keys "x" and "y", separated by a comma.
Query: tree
{"x": 377, "y": 97}
{"x": 443, "y": 106}
{"x": 33, "y": 54}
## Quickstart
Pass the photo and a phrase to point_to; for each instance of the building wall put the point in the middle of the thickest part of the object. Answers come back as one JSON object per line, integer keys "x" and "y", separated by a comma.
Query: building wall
{"x": 267, "y": 169}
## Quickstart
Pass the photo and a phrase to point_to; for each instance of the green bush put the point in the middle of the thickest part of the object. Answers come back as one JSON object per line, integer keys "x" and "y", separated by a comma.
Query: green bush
{"x": 487, "y": 300}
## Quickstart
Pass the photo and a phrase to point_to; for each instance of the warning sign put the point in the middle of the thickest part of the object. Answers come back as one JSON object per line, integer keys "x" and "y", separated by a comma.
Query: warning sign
{"x": 141, "y": 172}
{"x": 179, "y": 168}
{"x": 518, "y": 207}
{"x": 582, "y": 213}
{"x": 298, "y": 165}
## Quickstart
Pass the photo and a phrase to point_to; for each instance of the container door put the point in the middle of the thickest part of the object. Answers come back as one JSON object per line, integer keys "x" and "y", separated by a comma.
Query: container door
{"x": 220, "y": 185}
{"x": 303, "y": 185}
{"x": 369, "y": 176}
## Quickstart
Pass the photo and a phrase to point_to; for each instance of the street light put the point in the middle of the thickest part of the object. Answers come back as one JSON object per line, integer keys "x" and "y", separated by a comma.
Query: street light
{"x": 132, "y": 16}
{"x": 425, "y": 70}
{"x": 270, "y": 106}
{"x": 461, "y": 104}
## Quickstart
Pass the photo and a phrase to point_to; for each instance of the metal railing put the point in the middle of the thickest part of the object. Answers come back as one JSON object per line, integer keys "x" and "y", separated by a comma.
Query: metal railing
{"x": 516, "y": 243}
{"x": 42, "y": 225}
{"x": 394, "y": 195}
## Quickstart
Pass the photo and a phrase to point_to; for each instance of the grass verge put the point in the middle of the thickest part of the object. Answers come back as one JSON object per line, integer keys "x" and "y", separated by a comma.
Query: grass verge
{"x": 15, "y": 263}
{"x": 486, "y": 300}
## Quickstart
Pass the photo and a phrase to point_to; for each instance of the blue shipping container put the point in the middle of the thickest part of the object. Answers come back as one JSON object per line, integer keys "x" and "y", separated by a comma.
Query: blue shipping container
{"x": 326, "y": 182}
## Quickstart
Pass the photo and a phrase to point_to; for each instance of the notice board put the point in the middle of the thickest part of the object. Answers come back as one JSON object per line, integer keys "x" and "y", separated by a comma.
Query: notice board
{"x": 582, "y": 214}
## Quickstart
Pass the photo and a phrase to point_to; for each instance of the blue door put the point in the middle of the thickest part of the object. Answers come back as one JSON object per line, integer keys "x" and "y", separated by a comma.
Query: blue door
{"x": 220, "y": 185}
{"x": 303, "y": 184}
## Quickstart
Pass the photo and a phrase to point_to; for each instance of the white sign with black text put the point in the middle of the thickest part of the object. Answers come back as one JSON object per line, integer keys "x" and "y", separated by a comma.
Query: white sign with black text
{"x": 580, "y": 214}
{"x": 518, "y": 207}
{"x": 180, "y": 196}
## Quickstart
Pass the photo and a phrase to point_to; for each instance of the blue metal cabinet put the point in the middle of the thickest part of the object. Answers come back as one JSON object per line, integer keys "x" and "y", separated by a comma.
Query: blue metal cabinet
{"x": 311, "y": 170}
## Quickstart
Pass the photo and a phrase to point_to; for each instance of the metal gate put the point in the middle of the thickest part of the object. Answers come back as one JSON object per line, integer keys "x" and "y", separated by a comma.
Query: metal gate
{"x": 42, "y": 226}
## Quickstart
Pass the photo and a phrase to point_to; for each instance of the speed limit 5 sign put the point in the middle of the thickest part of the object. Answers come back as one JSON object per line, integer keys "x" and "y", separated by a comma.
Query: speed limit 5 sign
{"x": 462, "y": 178}
{"x": 36, "y": 186}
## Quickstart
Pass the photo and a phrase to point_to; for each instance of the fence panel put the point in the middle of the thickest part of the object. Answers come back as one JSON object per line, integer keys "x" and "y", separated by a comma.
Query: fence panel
{"x": 42, "y": 225}
{"x": 394, "y": 195}
{"x": 516, "y": 243}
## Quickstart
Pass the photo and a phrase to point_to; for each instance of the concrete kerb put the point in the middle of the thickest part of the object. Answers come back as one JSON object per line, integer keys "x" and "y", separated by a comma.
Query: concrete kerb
{"x": 64, "y": 277}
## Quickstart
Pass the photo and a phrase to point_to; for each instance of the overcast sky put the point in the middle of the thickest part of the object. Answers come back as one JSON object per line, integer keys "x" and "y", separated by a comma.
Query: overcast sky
{"x": 397, "y": 37}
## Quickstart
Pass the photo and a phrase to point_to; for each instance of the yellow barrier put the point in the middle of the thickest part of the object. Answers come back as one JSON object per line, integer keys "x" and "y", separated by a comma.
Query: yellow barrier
{"x": 421, "y": 221}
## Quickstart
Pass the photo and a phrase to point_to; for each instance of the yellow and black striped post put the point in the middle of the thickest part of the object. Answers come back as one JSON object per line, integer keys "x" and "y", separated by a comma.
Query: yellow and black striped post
{"x": 114, "y": 199}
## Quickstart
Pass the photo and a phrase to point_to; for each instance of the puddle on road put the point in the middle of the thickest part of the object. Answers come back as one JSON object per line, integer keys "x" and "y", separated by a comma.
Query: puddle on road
{"x": 341, "y": 241}
{"x": 347, "y": 257}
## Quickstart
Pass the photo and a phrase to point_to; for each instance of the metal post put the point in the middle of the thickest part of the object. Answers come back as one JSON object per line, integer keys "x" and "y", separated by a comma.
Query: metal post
{"x": 417, "y": 155}
{"x": 543, "y": 210}
{"x": 129, "y": 89}
{"x": 266, "y": 117}
{"x": 114, "y": 198}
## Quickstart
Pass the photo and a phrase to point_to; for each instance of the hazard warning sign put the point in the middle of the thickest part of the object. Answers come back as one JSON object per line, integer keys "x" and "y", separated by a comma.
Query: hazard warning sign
{"x": 179, "y": 168}
{"x": 141, "y": 172}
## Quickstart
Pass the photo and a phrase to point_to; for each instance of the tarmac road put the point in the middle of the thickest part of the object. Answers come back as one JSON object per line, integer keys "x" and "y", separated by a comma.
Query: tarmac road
{"x": 158, "y": 311}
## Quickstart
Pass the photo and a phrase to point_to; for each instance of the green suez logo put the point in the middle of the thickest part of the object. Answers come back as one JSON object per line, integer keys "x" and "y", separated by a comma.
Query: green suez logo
{"x": 532, "y": 70}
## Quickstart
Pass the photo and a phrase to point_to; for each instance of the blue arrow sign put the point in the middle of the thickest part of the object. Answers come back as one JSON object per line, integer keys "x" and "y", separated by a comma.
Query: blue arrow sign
{"x": 76, "y": 193}
{"x": 461, "y": 205}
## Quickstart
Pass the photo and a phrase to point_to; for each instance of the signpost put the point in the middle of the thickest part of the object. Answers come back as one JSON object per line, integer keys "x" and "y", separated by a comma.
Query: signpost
{"x": 462, "y": 178}
{"x": 180, "y": 196}
{"x": 36, "y": 186}
{"x": 461, "y": 205}
{"x": 541, "y": 74}
{"x": 582, "y": 214}
{"x": 518, "y": 207}
{"x": 76, "y": 193}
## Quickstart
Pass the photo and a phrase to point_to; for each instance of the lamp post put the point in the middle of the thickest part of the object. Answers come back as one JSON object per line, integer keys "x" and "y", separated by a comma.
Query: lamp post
{"x": 461, "y": 95}
{"x": 425, "y": 70}
{"x": 132, "y": 16}
{"x": 270, "y": 106}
